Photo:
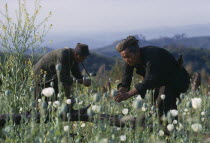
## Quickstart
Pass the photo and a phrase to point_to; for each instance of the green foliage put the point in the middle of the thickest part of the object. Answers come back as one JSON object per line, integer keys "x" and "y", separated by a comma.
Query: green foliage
{"x": 199, "y": 58}
{"x": 93, "y": 66}
{"x": 19, "y": 35}
{"x": 98, "y": 131}
{"x": 22, "y": 34}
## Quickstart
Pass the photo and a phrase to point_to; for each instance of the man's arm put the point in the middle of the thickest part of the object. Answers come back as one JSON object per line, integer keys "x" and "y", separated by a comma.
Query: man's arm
{"x": 151, "y": 80}
{"x": 76, "y": 72}
{"x": 124, "y": 86}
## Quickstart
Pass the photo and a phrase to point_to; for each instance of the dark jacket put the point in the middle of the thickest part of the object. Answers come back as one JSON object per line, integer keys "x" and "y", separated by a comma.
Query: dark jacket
{"x": 159, "y": 68}
{"x": 49, "y": 61}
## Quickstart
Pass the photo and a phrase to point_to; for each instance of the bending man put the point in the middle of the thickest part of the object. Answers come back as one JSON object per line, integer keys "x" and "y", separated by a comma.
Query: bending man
{"x": 161, "y": 72}
{"x": 66, "y": 60}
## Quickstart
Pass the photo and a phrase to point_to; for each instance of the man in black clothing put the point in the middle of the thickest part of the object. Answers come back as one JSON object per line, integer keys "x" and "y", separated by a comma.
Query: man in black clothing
{"x": 66, "y": 60}
{"x": 161, "y": 72}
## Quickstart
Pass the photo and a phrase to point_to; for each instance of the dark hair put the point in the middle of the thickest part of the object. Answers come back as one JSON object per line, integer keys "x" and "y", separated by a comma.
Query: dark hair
{"x": 133, "y": 48}
{"x": 82, "y": 50}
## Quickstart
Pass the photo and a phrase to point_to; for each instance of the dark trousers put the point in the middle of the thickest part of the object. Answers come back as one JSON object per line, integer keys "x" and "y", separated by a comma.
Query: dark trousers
{"x": 169, "y": 103}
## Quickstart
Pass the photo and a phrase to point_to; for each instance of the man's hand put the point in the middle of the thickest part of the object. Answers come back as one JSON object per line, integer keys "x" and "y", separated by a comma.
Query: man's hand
{"x": 87, "y": 82}
{"x": 123, "y": 89}
{"x": 121, "y": 96}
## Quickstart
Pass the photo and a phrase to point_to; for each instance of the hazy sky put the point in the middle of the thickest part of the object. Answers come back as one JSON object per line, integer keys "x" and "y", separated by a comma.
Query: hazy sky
{"x": 119, "y": 15}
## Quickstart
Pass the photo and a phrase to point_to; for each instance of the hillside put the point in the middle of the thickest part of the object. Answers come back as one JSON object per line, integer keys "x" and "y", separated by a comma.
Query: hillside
{"x": 181, "y": 40}
{"x": 95, "y": 61}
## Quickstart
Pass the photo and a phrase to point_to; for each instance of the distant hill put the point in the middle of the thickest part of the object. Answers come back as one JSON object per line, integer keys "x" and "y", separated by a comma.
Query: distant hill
{"x": 181, "y": 40}
{"x": 96, "y": 60}
{"x": 102, "y": 38}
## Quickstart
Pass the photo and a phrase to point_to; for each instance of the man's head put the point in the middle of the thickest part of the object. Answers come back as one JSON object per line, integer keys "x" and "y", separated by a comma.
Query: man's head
{"x": 81, "y": 52}
{"x": 128, "y": 49}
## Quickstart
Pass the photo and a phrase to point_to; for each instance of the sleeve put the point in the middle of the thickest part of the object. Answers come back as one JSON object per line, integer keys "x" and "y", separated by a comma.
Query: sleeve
{"x": 76, "y": 71}
{"x": 65, "y": 77}
{"x": 151, "y": 79}
{"x": 127, "y": 77}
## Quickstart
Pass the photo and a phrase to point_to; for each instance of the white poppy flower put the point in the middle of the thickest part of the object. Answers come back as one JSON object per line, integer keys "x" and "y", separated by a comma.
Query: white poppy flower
{"x": 143, "y": 109}
{"x": 203, "y": 113}
{"x": 83, "y": 125}
{"x": 196, "y": 127}
{"x": 186, "y": 110}
{"x": 174, "y": 113}
{"x": 175, "y": 122}
{"x": 170, "y": 127}
{"x": 49, "y": 102}
{"x": 56, "y": 104}
{"x": 66, "y": 128}
{"x": 80, "y": 103}
{"x": 68, "y": 101}
{"x": 74, "y": 125}
{"x": 48, "y": 92}
{"x": 125, "y": 111}
{"x": 163, "y": 96}
{"x": 163, "y": 118}
{"x": 161, "y": 133}
{"x": 123, "y": 138}
{"x": 21, "y": 109}
{"x": 196, "y": 103}
{"x": 96, "y": 107}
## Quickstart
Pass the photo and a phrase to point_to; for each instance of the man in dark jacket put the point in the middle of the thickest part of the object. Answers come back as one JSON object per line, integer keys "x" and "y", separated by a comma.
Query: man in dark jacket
{"x": 59, "y": 63}
{"x": 161, "y": 72}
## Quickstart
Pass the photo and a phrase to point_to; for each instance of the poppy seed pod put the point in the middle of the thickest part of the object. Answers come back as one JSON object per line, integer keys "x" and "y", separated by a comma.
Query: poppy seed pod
{"x": 58, "y": 67}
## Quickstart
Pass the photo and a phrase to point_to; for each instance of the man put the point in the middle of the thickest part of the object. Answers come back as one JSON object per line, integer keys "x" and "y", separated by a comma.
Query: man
{"x": 59, "y": 63}
{"x": 161, "y": 72}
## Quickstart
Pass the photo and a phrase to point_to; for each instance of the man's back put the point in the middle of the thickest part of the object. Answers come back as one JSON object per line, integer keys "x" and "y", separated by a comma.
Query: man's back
{"x": 164, "y": 66}
{"x": 49, "y": 60}
{"x": 160, "y": 60}
{"x": 159, "y": 68}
